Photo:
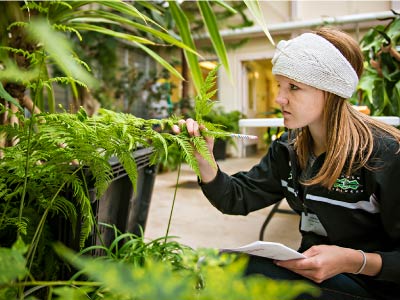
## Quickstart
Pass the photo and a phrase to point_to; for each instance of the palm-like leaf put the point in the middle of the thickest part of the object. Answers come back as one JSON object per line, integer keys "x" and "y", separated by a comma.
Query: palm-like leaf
{"x": 212, "y": 27}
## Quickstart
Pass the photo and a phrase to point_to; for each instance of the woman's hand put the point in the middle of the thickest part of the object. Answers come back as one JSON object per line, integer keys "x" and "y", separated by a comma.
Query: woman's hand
{"x": 207, "y": 171}
{"x": 194, "y": 129}
{"x": 324, "y": 261}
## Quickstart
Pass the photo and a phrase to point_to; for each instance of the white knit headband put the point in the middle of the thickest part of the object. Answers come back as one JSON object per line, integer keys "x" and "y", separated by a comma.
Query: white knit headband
{"x": 313, "y": 60}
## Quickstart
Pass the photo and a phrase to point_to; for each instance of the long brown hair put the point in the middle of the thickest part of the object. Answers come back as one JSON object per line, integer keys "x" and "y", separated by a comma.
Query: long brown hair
{"x": 349, "y": 135}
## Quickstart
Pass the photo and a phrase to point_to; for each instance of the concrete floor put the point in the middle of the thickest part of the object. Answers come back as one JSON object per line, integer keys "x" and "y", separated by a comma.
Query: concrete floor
{"x": 196, "y": 223}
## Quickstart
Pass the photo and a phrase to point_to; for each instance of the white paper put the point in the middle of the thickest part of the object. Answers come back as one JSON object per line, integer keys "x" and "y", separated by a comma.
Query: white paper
{"x": 271, "y": 250}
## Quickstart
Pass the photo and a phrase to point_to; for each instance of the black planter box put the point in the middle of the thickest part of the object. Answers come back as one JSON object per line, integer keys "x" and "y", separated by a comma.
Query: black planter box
{"x": 118, "y": 206}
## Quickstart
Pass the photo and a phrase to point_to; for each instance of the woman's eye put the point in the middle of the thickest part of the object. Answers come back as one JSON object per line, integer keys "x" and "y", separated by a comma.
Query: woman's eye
{"x": 294, "y": 87}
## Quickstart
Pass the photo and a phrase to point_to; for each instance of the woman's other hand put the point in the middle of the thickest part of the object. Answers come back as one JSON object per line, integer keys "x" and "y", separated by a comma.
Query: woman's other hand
{"x": 325, "y": 261}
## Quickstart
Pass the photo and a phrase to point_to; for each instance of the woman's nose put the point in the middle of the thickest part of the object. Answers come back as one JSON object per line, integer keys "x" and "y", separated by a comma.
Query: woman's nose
{"x": 281, "y": 99}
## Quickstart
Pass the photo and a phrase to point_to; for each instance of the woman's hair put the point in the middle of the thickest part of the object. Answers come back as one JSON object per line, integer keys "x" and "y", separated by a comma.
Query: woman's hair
{"x": 349, "y": 134}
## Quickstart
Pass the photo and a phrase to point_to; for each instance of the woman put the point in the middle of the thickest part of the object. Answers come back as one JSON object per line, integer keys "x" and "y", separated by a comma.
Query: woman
{"x": 337, "y": 168}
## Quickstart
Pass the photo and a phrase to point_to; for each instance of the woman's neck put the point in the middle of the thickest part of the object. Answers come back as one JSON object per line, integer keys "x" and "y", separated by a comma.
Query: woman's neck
{"x": 319, "y": 140}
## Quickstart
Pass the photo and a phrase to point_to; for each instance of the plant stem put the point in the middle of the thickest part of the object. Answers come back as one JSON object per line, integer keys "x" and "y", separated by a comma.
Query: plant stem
{"x": 173, "y": 200}
{"x": 35, "y": 240}
{"x": 92, "y": 216}
{"x": 55, "y": 283}
{"x": 30, "y": 130}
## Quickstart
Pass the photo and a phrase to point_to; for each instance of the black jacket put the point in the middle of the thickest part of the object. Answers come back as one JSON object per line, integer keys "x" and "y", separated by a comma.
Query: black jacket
{"x": 361, "y": 211}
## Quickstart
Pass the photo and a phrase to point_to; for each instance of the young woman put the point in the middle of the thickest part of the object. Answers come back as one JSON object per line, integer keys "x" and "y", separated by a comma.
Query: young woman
{"x": 337, "y": 168}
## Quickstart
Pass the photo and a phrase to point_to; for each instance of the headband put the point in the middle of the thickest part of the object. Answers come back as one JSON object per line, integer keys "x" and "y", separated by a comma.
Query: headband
{"x": 313, "y": 60}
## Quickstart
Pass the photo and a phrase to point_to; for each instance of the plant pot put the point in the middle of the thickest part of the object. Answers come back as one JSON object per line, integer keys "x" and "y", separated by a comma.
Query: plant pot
{"x": 118, "y": 206}
{"x": 219, "y": 149}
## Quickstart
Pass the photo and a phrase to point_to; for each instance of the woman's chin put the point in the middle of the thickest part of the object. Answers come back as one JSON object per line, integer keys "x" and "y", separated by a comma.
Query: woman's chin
{"x": 290, "y": 124}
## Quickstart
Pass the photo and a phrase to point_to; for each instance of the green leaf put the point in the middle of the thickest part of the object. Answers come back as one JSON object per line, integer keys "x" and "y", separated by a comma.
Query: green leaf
{"x": 254, "y": 8}
{"x": 393, "y": 30}
{"x": 127, "y": 9}
{"x": 226, "y": 6}
{"x": 60, "y": 50}
{"x": 366, "y": 84}
{"x": 153, "y": 281}
{"x": 20, "y": 246}
{"x": 110, "y": 17}
{"x": 216, "y": 39}
{"x": 6, "y": 96}
{"x": 184, "y": 30}
{"x": 396, "y": 98}
{"x": 12, "y": 265}
{"x": 72, "y": 293}
{"x": 160, "y": 60}
{"x": 102, "y": 30}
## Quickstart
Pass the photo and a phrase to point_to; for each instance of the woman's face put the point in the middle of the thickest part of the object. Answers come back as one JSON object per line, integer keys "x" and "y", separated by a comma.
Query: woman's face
{"x": 302, "y": 105}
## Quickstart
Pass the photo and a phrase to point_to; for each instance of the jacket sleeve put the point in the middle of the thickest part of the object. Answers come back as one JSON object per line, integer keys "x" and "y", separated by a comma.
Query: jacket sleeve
{"x": 387, "y": 191}
{"x": 244, "y": 192}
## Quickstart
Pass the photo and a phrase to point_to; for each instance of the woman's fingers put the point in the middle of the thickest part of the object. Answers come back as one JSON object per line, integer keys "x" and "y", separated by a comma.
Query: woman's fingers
{"x": 193, "y": 128}
{"x": 181, "y": 122}
{"x": 176, "y": 129}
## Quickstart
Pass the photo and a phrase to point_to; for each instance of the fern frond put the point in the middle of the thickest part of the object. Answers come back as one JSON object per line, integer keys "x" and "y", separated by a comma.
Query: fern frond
{"x": 65, "y": 28}
{"x": 63, "y": 3}
{"x": 184, "y": 143}
{"x": 67, "y": 80}
{"x": 30, "y": 5}
{"x": 86, "y": 212}
{"x": 17, "y": 24}
{"x": 21, "y": 225}
{"x": 203, "y": 104}
{"x": 201, "y": 146}
{"x": 82, "y": 63}
{"x": 86, "y": 228}
{"x": 65, "y": 207}
{"x": 129, "y": 164}
{"x": 28, "y": 55}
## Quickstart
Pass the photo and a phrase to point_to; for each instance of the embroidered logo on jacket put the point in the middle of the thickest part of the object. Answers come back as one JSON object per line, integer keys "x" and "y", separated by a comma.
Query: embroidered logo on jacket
{"x": 347, "y": 184}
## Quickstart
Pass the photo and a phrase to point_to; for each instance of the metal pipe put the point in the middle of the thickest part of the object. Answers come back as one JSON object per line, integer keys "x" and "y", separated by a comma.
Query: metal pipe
{"x": 287, "y": 26}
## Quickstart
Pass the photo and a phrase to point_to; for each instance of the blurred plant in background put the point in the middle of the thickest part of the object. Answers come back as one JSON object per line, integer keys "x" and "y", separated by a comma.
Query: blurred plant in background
{"x": 379, "y": 86}
{"x": 136, "y": 23}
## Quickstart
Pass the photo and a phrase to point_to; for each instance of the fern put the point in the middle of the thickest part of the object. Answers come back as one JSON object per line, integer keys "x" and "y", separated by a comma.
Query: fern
{"x": 201, "y": 146}
{"x": 203, "y": 104}
{"x": 130, "y": 167}
{"x": 32, "y": 57}
{"x": 30, "y": 5}
{"x": 17, "y": 24}
{"x": 64, "y": 80}
{"x": 72, "y": 151}
{"x": 65, "y": 28}
{"x": 21, "y": 225}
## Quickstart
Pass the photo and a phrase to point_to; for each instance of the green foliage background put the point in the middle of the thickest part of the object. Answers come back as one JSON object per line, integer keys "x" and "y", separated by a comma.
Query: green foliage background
{"x": 379, "y": 86}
